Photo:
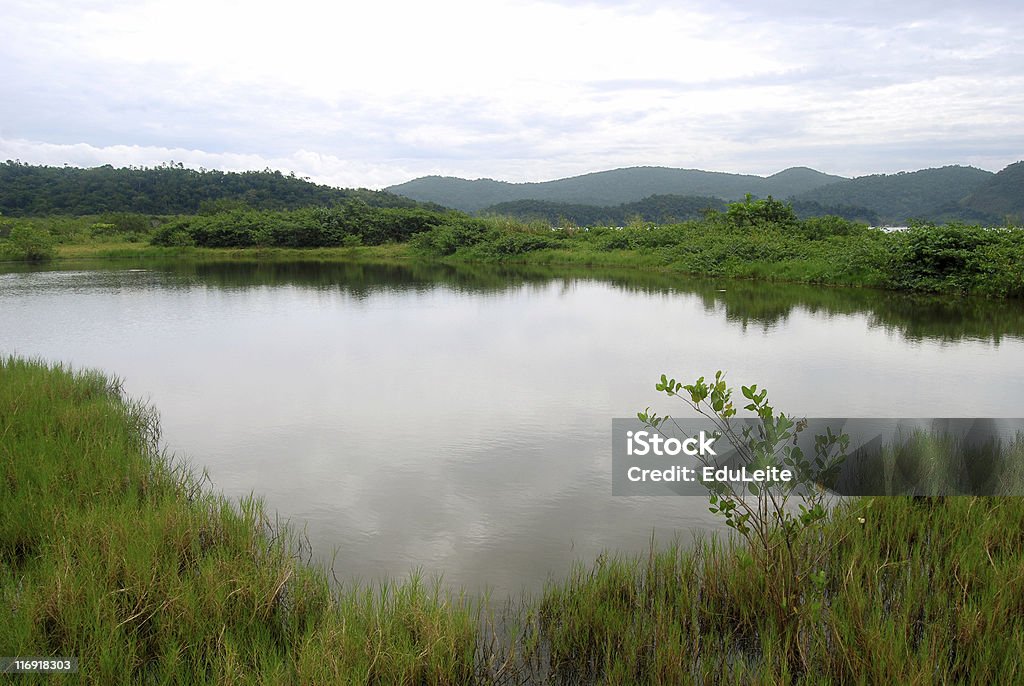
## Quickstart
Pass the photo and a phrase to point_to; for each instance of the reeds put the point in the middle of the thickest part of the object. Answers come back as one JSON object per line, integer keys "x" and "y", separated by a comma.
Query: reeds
{"x": 913, "y": 591}
{"x": 112, "y": 553}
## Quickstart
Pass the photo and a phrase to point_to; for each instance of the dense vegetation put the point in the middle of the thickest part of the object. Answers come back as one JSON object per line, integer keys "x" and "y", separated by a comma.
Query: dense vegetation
{"x": 662, "y": 209}
{"x": 113, "y": 553}
{"x": 27, "y": 190}
{"x": 762, "y": 239}
{"x": 805, "y": 209}
{"x": 354, "y": 223}
{"x": 658, "y": 209}
{"x": 758, "y": 239}
{"x": 913, "y": 592}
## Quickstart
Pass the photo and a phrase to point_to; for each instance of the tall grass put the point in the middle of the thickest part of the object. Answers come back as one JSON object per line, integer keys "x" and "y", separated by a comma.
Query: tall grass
{"x": 112, "y": 553}
{"x": 917, "y": 592}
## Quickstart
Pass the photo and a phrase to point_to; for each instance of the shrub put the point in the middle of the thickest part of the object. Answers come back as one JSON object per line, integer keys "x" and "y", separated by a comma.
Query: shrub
{"x": 519, "y": 243}
{"x": 933, "y": 258}
{"x": 817, "y": 228}
{"x": 31, "y": 243}
{"x": 751, "y": 212}
{"x": 447, "y": 238}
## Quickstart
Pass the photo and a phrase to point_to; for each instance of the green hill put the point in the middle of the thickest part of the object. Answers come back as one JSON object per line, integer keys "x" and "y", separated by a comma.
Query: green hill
{"x": 169, "y": 189}
{"x": 610, "y": 188}
{"x": 934, "y": 194}
{"x": 1002, "y": 195}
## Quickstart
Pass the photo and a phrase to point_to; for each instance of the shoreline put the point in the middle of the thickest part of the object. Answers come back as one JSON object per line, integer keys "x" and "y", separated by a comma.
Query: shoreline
{"x": 120, "y": 557}
{"x": 406, "y": 254}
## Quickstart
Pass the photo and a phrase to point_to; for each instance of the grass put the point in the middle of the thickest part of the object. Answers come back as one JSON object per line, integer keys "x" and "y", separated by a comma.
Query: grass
{"x": 756, "y": 239}
{"x": 920, "y": 592}
{"x": 114, "y": 553}
{"x": 111, "y": 553}
{"x": 144, "y": 251}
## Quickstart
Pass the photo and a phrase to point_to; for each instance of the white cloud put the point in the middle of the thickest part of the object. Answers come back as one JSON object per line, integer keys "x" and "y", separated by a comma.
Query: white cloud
{"x": 375, "y": 93}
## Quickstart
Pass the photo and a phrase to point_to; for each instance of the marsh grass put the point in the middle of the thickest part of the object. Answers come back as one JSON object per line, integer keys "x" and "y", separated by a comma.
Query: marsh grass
{"x": 112, "y": 553}
{"x": 921, "y": 591}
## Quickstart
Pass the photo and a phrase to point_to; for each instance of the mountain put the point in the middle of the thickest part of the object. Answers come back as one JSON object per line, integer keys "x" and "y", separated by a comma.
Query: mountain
{"x": 609, "y": 188}
{"x": 1002, "y": 195}
{"x": 935, "y": 194}
{"x": 168, "y": 189}
{"x": 794, "y": 181}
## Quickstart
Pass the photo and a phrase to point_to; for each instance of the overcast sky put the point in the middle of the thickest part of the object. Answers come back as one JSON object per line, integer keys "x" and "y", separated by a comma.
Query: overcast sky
{"x": 376, "y": 93}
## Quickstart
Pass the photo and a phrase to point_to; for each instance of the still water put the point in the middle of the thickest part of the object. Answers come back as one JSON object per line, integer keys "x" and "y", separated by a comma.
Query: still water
{"x": 458, "y": 421}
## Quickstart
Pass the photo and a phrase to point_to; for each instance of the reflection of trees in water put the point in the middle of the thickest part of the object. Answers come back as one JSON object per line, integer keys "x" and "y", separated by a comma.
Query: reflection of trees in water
{"x": 914, "y": 317}
{"x": 747, "y": 303}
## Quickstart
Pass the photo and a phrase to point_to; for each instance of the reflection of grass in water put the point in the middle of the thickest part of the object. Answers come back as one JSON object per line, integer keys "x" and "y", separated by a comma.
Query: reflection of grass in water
{"x": 933, "y": 464}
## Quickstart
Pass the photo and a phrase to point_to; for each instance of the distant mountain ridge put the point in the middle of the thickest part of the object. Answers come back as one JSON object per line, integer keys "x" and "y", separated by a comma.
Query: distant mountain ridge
{"x": 612, "y": 187}
{"x": 951, "y": 193}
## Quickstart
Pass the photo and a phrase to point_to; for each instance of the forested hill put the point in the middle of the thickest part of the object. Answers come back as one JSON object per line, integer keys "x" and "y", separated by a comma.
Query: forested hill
{"x": 614, "y": 187}
{"x": 1002, "y": 195}
{"x": 952, "y": 193}
{"x": 930, "y": 194}
{"x": 660, "y": 209}
{"x": 168, "y": 189}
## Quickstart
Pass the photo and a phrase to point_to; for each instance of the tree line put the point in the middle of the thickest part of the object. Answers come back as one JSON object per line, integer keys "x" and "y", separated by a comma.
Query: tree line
{"x": 30, "y": 190}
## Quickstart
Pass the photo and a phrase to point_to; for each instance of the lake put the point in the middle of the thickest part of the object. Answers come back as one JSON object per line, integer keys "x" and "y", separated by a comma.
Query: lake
{"x": 458, "y": 420}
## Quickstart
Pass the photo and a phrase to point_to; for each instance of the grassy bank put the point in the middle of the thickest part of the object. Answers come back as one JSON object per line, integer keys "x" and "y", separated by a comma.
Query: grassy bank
{"x": 755, "y": 239}
{"x": 398, "y": 252}
{"x": 920, "y": 592}
{"x": 111, "y": 553}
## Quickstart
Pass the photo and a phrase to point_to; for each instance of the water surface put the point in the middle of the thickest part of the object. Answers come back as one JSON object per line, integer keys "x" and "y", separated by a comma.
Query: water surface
{"x": 458, "y": 421}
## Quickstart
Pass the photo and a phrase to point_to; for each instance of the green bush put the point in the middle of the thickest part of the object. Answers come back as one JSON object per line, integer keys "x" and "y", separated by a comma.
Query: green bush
{"x": 519, "y": 243}
{"x": 447, "y": 238}
{"x": 817, "y": 228}
{"x": 354, "y": 223}
{"x": 617, "y": 239}
{"x": 751, "y": 212}
{"x": 948, "y": 257}
{"x": 31, "y": 244}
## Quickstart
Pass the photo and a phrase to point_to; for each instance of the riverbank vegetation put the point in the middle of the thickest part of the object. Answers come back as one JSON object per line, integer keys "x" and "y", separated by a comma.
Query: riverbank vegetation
{"x": 911, "y": 591}
{"x": 754, "y": 239}
{"x": 112, "y": 552}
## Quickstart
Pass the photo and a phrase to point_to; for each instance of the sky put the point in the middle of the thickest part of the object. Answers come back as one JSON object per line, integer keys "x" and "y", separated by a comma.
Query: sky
{"x": 374, "y": 94}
